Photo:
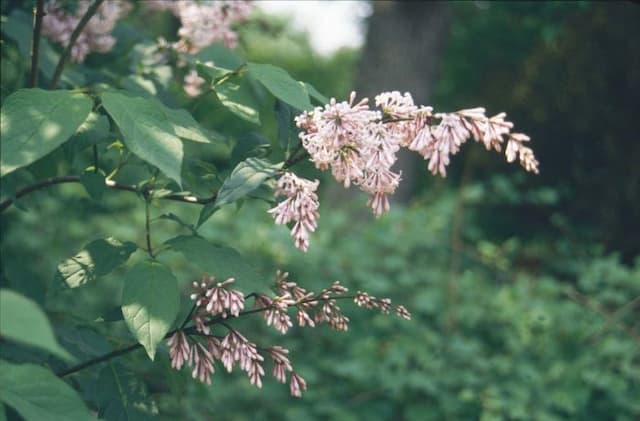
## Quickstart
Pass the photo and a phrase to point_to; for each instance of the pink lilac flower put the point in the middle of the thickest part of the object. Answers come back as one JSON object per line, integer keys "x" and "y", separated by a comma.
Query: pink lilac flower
{"x": 236, "y": 347}
{"x": 205, "y": 23}
{"x": 277, "y": 315}
{"x": 214, "y": 346}
{"x": 332, "y": 315}
{"x": 297, "y": 385}
{"x": 281, "y": 363}
{"x": 58, "y": 25}
{"x": 334, "y": 135}
{"x": 213, "y": 299}
{"x": 300, "y": 206}
{"x": 202, "y": 363}
{"x": 516, "y": 148}
{"x": 494, "y": 131}
{"x": 300, "y": 295}
{"x": 401, "y": 311}
{"x": 397, "y": 105}
{"x": 362, "y": 299}
{"x": 359, "y": 145}
{"x": 216, "y": 298}
{"x": 179, "y": 349}
{"x": 193, "y": 84}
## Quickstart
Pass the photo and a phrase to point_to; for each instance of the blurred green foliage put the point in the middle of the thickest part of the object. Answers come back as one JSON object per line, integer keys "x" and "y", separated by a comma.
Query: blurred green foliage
{"x": 567, "y": 75}
{"x": 525, "y": 311}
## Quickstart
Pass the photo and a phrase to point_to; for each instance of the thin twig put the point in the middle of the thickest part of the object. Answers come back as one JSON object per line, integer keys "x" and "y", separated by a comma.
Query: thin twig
{"x": 188, "y": 331}
{"x": 456, "y": 246}
{"x": 186, "y": 320}
{"x": 38, "y": 14}
{"x": 147, "y": 223}
{"x": 97, "y": 360}
{"x": 293, "y": 159}
{"x": 596, "y": 307}
{"x": 615, "y": 317}
{"x": 109, "y": 183}
{"x": 95, "y": 159}
{"x": 74, "y": 37}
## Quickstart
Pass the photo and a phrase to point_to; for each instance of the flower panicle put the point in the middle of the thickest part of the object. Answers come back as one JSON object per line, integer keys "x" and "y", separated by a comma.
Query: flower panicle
{"x": 215, "y": 304}
{"x": 300, "y": 207}
{"x": 58, "y": 26}
{"x": 359, "y": 145}
{"x": 205, "y": 23}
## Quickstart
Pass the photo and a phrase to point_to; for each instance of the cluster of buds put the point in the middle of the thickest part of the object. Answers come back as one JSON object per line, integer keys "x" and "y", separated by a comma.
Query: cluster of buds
{"x": 359, "y": 145}
{"x": 58, "y": 25}
{"x": 215, "y": 304}
{"x": 205, "y": 23}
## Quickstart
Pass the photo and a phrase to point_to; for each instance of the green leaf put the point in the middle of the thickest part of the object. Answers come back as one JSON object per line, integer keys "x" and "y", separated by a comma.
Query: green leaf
{"x": 206, "y": 212}
{"x": 284, "y": 116}
{"x": 147, "y": 131}
{"x": 250, "y": 144}
{"x": 37, "y": 394}
{"x": 236, "y": 95}
{"x": 34, "y": 122}
{"x": 185, "y": 126}
{"x": 212, "y": 73}
{"x": 119, "y": 393}
{"x": 245, "y": 178}
{"x": 94, "y": 184}
{"x": 3, "y": 413}
{"x": 315, "y": 94}
{"x": 139, "y": 84}
{"x": 281, "y": 85}
{"x": 150, "y": 303}
{"x": 223, "y": 262}
{"x": 84, "y": 343}
{"x": 23, "y": 321}
{"x": 94, "y": 129}
{"x": 175, "y": 218}
{"x": 220, "y": 55}
{"x": 96, "y": 259}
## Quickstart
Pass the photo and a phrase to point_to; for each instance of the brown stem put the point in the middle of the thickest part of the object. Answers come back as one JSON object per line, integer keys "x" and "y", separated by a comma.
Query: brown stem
{"x": 38, "y": 14}
{"x": 74, "y": 37}
{"x": 109, "y": 183}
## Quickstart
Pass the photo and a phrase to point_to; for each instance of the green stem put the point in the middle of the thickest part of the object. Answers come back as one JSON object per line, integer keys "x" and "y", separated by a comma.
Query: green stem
{"x": 95, "y": 159}
{"x": 147, "y": 223}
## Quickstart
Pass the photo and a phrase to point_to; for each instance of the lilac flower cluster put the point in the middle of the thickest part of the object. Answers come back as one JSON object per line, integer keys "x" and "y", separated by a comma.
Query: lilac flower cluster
{"x": 58, "y": 25}
{"x": 204, "y": 23}
{"x": 215, "y": 303}
{"x": 360, "y": 147}
{"x": 300, "y": 206}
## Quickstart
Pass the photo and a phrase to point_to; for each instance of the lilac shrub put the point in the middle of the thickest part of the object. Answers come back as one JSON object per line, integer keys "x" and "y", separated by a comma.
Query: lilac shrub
{"x": 357, "y": 143}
